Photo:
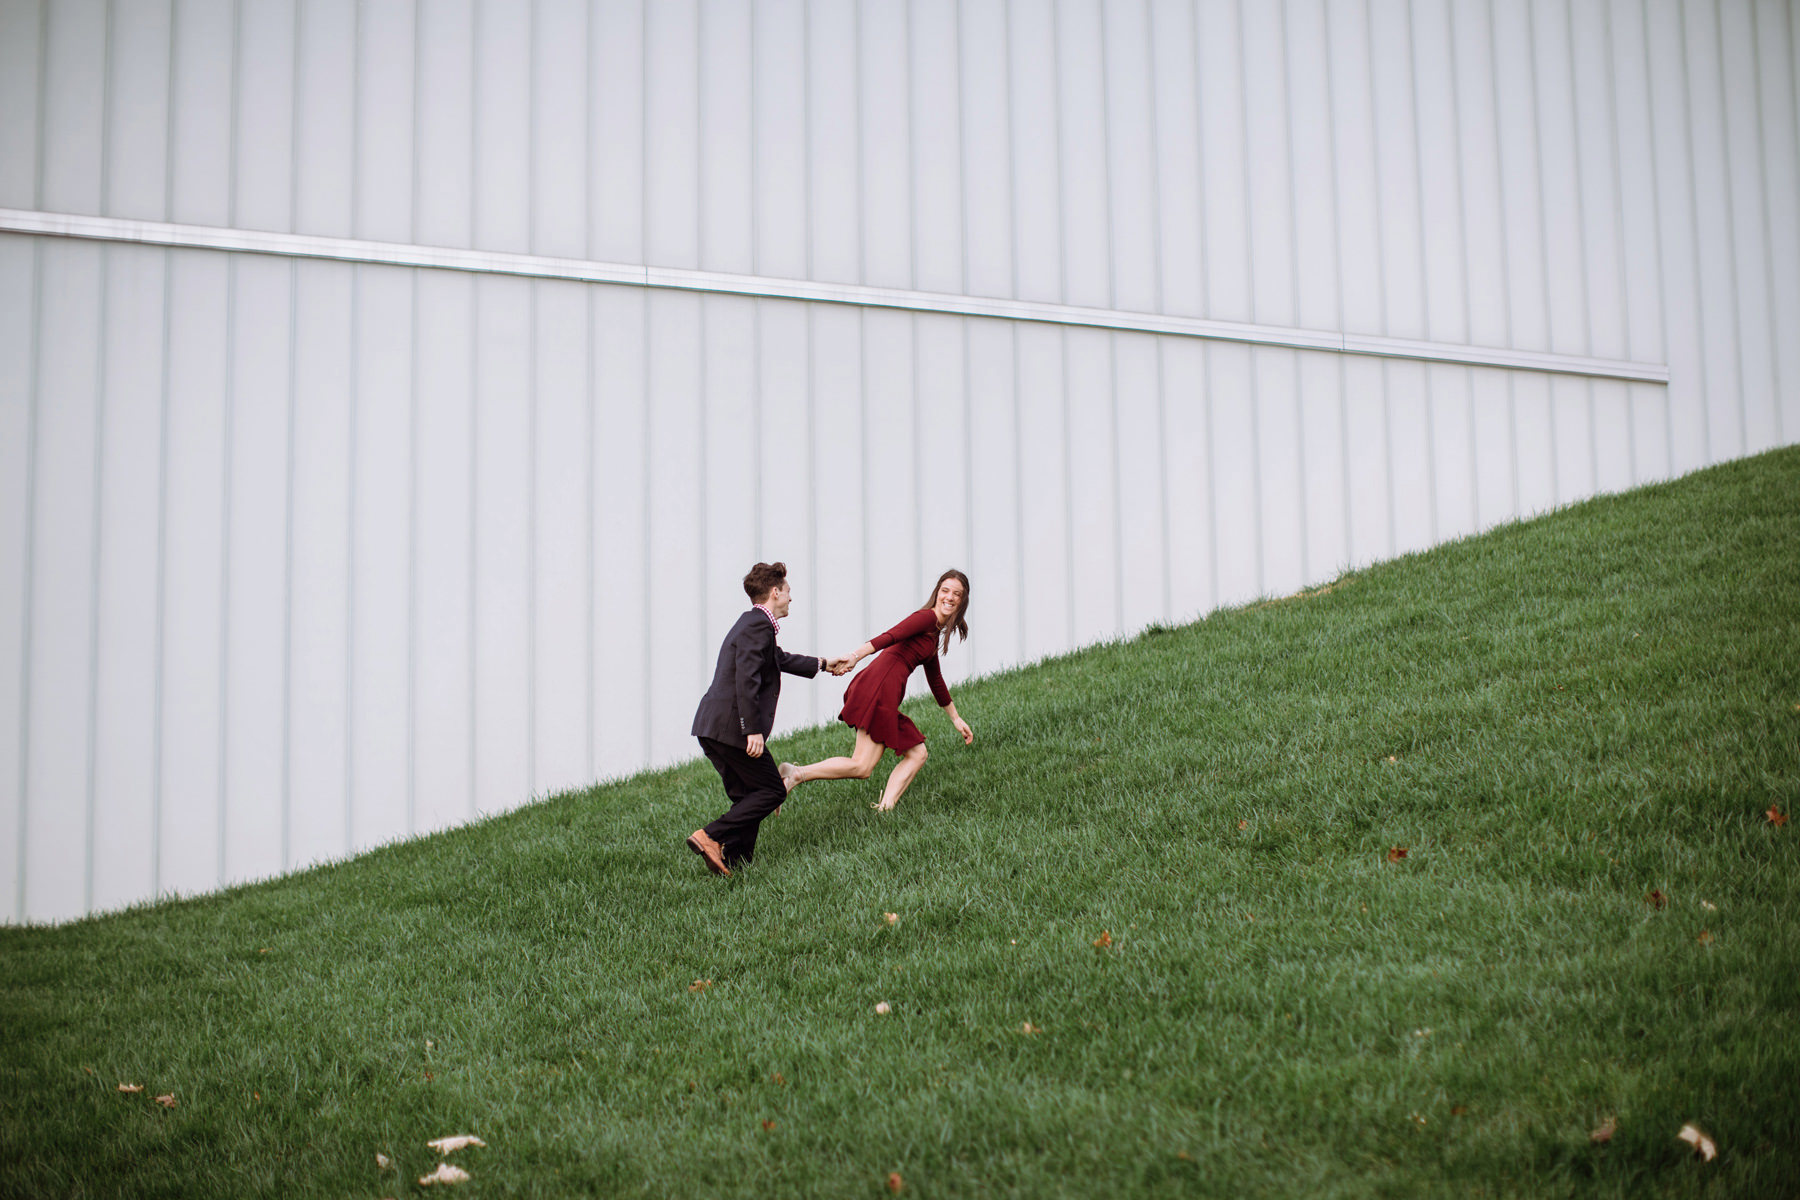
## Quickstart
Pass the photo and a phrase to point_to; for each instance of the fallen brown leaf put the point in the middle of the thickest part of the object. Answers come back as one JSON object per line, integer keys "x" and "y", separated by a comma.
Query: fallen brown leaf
{"x": 383, "y": 1161}
{"x": 1028, "y": 1027}
{"x": 89, "y": 1070}
{"x": 429, "y": 1077}
{"x": 131, "y": 1087}
{"x": 895, "y": 1183}
{"x": 777, "y": 1080}
{"x": 768, "y": 1126}
{"x": 1776, "y": 817}
{"x": 891, "y": 918}
{"x": 1703, "y": 1145}
{"x": 1396, "y": 853}
{"x": 1656, "y": 899}
{"x": 883, "y": 1008}
{"x": 1458, "y": 1110}
{"x": 1604, "y": 1133}
{"x": 167, "y": 1099}
{"x": 1393, "y": 758}
{"x": 1705, "y": 938}
{"x": 445, "y": 1173}
{"x": 1104, "y": 940}
{"x": 449, "y": 1145}
{"x": 699, "y": 985}
{"x": 1243, "y": 824}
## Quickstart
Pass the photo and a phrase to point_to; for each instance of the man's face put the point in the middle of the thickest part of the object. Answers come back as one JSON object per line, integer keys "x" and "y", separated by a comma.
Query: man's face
{"x": 780, "y": 598}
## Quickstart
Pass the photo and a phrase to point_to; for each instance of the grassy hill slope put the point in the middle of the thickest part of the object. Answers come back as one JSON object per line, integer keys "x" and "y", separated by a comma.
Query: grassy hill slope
{"x": 1554, "y": 720}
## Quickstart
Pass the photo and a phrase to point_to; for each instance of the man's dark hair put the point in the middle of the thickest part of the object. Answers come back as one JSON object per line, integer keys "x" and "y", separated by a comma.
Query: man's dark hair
{"x": 763, "y": 579}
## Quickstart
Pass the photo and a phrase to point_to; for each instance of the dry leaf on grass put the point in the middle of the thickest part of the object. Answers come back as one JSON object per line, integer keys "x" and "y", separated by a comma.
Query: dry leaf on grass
{"x": 1243, "y": 824}
{"x": 450, "y": 1145}
{"x": 167, "y": 1099}
{"x": 131, "y": 1087}
{"x": 777, "y": 1080}
{"x": 1603, "y": 1135}
{"x": 1709, "y": 906}
{"x": 883, "y": 1009}
{"x": 1104, "y": 940}
{"x": 1703, "y": 1145}
{"x": 445, "y": 1173}
{"x": 895, "y": 1183}
{"x": 1396, "y": 853}
{"x": 768, "y": 1126}
{"x": 383, "y": 1161}
{"x": 1656, "y": 899}
{"x": 1028, "y": 1027}
{"x": 1705, "y": 938}
{"x": 1776, "y": 817}
{"x": 891, "y": 918}
{"x": 699, "y": 985}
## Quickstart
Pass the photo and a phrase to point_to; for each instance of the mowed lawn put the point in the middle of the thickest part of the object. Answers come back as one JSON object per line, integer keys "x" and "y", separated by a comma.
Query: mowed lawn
{"x": 1153, "y": 932}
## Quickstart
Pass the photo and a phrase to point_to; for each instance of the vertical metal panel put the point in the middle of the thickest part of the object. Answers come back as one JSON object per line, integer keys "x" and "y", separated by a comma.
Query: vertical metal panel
{"x": 1309, "y": 135}
{"x": 138, "y": 117}
{"x": 671, "y": 114}
{"x": 779, "y": 152}
{"x": 616, "y": 181}
{"x": 73, "y": 120}
{"x": 1185, "y": 456}
{"x": 675, "y": 502}
{"x": 1280, "y": 481}
{"x": 559, "y": 128}
{"x": 889, "y": 450}
{"x": 831, "y": 91}
{"x": 884, "y": 142}
{"x": 621, "y": 524}
{"x": 561, "y": 541}
{"x": 1780, "y": 113}
{"x": 502, "y": 510}
{"x": 996, "y": 549}
{"x": 502, "y": 126}
{"x": 1354, "y": 193}
{"x": 1746, "y": 179}
{"x": 1715, "y": 238}
{"x": 1678, "y": 248}
{"x": 1036, "y": 175}
{"x": 839, "y": 431}
{"x": 934, "y": 85}
{"x": 384, "y": 120}
{"x": 263, "y": 157}
{"x": 1324, "y": 485}
{"x": 200, "y": 112}
{"x": 1083, "y": 185}
{"x": 1140, "y": 525}
{"x": 732, "y": 471}
{"x": 1233, "y": 468}
{"x": 381, "y": 485}
{"x": 325, "y": 97}
{"x": 985, "y": 125}
{"x": 22, "y": 29}
{"x": 56, "y": 721}
{"x": 1092, "y": 485}
{"x": 444, "y": 83}
{"x": 1170, "y": 30}
{"x": 1269, "y": 190}
{"x": 1044, "y": 536}
{"x": 256, "y": 562}
{"x": 444, "y": 497}
{"x": 1130, "y": 139}
{"x": 125, "y": 643}
{"x": 193, "y": 565}
{"x": 1224, "y": 161}
{"x": 726, "y": 171}
{"x": 945, "y": 459}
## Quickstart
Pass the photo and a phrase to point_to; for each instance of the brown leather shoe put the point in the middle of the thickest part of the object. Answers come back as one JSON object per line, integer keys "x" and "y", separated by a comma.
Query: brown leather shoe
{"x": 711, "y": 851}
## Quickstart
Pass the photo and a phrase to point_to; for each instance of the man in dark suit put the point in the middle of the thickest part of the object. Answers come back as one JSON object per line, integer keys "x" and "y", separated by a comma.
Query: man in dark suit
{"x": 737, "y": 713}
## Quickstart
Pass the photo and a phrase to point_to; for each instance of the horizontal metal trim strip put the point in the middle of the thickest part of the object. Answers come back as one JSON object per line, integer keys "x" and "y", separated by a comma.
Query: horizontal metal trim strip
{"x": 295, "y": 245}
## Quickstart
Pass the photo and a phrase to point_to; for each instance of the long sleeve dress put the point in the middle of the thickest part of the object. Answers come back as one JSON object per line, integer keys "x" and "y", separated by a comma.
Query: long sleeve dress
{"x": 872, "y": 702}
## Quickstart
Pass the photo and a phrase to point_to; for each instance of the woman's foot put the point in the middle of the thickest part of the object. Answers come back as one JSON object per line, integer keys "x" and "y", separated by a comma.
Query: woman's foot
{"x": 790, "y": 775}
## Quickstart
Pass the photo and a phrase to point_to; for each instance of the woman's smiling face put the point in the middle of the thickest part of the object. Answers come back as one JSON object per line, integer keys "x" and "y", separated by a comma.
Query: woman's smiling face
{"x": 949, "y": 599}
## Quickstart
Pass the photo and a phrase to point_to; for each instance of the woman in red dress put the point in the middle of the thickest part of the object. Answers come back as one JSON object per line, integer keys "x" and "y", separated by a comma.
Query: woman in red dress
{"x": 872, "y": 704}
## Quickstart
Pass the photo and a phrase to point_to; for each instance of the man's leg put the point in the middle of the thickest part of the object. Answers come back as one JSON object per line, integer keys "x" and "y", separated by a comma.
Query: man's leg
{"x": 756, "y": 790}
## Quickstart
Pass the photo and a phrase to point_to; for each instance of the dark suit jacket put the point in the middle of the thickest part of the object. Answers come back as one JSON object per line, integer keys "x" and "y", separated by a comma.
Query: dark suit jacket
{"x": 747, "y": 682}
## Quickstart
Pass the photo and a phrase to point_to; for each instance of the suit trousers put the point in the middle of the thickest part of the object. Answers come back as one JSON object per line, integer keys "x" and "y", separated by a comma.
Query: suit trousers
{"x": 755, "y": 789}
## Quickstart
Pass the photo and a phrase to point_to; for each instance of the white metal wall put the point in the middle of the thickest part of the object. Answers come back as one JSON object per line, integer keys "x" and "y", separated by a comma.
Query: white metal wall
{"x": 299, "y": 555}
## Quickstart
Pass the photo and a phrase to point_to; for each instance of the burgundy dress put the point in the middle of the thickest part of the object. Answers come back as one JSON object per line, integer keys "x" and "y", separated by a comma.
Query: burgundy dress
{"x": 872, "y": 703}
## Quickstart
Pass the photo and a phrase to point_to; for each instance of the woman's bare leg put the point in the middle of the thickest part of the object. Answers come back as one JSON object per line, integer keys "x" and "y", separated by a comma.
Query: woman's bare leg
{"x": 902, "y": 776}
{"x": 860, "y": 764}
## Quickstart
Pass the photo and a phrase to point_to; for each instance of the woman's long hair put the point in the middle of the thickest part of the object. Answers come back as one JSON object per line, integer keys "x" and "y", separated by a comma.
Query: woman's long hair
{"x": 959, "y": 622}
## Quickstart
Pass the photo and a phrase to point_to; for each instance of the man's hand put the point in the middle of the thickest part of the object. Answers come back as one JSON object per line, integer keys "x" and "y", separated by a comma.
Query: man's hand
{"x": 753, "y": 745}
{"x": 840, "y": 666}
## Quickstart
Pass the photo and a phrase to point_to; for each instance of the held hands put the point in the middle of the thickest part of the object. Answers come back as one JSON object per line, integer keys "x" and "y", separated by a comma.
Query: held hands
{"x": 842, "y": 665}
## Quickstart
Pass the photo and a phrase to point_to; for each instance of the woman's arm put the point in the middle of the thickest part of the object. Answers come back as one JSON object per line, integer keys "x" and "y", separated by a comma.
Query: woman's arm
{"x": 962, "y": 726}
{"x": 915, "y": 623}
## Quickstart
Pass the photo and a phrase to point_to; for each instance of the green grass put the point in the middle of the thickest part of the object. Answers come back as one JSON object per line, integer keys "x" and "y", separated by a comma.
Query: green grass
{"x": 1555, "y": 719}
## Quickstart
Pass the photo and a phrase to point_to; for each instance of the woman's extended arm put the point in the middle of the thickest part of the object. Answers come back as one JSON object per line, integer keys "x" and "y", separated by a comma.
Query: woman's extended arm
{"x": 915, "y": 623}
{"x": 962, "y": 726}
